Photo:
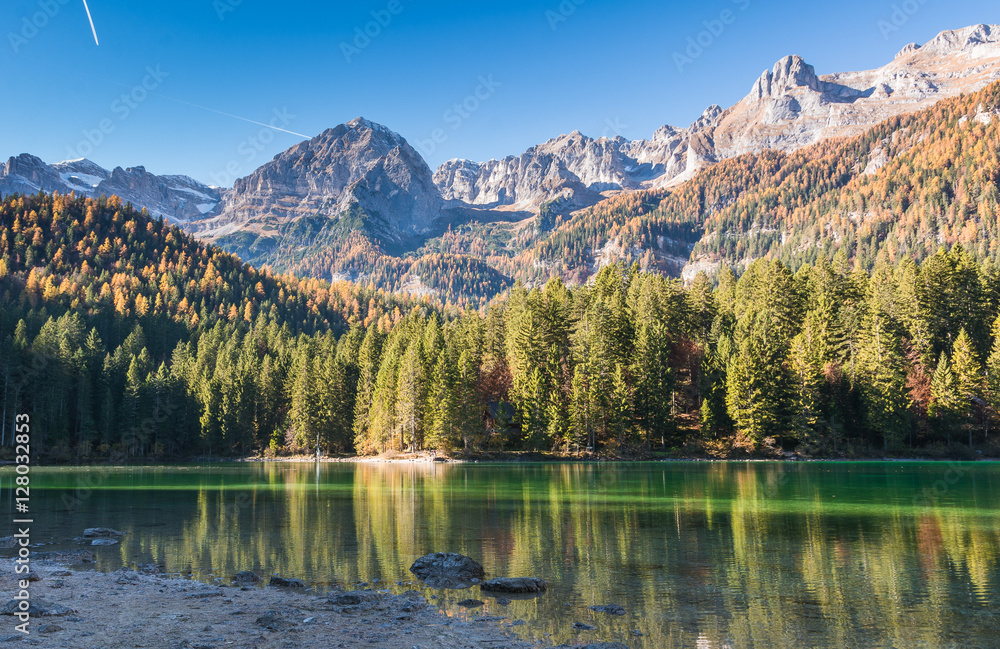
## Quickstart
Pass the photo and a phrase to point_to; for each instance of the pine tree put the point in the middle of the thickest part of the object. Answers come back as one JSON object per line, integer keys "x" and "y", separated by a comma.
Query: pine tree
{"x": 469, "y": 409}
{"x": 581, "y": 427}
{"x": 968, "y": 380}
{"x": 882, "y": 373}
{"x": 410, "y": 398}
{"x": 302, "y": 415}
{"x": 759, "y": 395}
{"x": 946, "y": 404}
{"x": 369, "y": 364}
{"x": 442, "y": 411}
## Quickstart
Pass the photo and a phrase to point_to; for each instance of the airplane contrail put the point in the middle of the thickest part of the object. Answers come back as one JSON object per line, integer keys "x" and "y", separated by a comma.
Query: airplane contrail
{"x": 219, "y": 112}
{"x": 178, "y": 101}
{"x": 91, "y": 19}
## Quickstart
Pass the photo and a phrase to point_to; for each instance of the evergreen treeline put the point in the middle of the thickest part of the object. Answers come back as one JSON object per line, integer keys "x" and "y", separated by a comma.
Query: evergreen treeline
{"x": 121, "y": 335}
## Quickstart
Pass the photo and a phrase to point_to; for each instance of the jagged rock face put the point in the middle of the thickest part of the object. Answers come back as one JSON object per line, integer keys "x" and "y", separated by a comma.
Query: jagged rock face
{"x": 674, "y": 155}
{"x": 179, "y": 199}
{"x": 572, "y": 167}
{"x": 27, "y": 174}
{"x": 789, "y": 73}
{"x": 360, "y": 163}
{"x": 576, "y": 169}
{"x": 978, "y": 41}
{"x": 788, "y": 107}
{"x": 82, "y": 176}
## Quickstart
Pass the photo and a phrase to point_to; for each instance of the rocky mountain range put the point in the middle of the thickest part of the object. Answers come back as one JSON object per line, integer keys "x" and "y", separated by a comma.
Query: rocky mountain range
{"x": 788, "y": 107}
{"x": 179, "y": 199}
{"x": 363, "y": 177}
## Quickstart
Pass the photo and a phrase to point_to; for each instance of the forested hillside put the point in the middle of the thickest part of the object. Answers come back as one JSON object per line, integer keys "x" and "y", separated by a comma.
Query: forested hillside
{"x": 908, "y": 186}
{"x": 321, "y": 247}
{"x": 124, "y": 337}
{"x": 119, "y": 332}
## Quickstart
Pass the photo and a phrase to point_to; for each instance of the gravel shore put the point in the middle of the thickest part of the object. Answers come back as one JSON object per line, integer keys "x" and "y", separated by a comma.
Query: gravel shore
{"x": 87, "y": 609}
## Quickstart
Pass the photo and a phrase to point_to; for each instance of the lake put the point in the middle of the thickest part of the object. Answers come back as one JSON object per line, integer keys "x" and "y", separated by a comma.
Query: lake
{"x": 731, "y": 554}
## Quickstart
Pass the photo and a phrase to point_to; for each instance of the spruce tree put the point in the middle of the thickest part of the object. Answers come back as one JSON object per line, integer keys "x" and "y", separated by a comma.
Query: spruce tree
{"x": 968, "y": 380}
{"x": 946, "y": 404}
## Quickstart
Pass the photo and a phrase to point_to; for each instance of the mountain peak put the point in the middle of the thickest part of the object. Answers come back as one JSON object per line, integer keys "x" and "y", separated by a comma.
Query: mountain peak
{"x": 789, "y": 72}
{"x": 82, "y": 162}
{"x": 708, "y": 118}
{"x": 966, "y": 40}
{"x": 907, "y": 50}
{"x": 360, "y": 123}
{"x": 357, "y": 164}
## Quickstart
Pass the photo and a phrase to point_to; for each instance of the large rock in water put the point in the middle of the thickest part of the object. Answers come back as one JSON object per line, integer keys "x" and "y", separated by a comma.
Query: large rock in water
{"x": 447, "y": 570}
{"x": 286, "y": 582}
{"x": 246, "y": 577}
{"x": 102, "y": 533}
{"x": 515, "y": 585}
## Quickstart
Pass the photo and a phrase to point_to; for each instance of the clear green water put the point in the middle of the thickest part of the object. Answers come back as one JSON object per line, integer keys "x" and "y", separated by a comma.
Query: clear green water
{"x": 881, "y": 554}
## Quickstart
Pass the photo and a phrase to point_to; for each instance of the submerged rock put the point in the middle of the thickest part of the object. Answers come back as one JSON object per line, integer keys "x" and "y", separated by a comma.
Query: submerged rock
{"x": 447, "y": 570}
{"x": 471, "y": 603}
{"x": 580, "y": 626}
{"x": 610, "y": 609}
{"x": 286, "y": 582}
{"x": 101, "y": 533}
{"x": 104, "y": 542}
{"x": 515, "y": 585}
{"x": 246, "y": 577}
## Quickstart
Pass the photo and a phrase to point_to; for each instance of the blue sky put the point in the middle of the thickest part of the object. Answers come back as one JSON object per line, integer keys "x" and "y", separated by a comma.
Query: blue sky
{"x": 147, "y": 94}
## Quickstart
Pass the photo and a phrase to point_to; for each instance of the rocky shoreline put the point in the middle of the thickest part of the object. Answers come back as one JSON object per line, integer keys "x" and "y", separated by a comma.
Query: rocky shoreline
{"x": 142, "y": 607}
{"x": 513, "y": 458}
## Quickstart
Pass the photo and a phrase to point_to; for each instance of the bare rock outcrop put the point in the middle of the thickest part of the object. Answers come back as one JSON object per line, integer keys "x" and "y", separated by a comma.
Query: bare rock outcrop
{"x": 359, "y": 164}
{"x": 179, "y": 199}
